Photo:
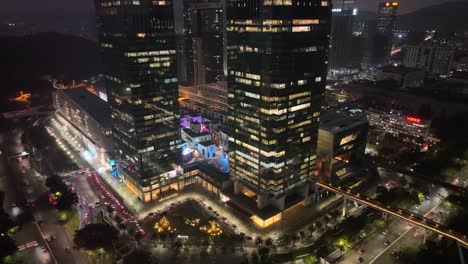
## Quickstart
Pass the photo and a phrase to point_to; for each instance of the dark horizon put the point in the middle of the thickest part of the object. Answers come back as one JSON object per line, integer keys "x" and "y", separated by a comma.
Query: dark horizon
{"x": 17, "y": 8}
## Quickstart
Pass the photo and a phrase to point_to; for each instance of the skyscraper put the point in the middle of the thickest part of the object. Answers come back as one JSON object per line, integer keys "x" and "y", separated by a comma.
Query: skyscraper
{"x": 204, "y": 42}
{"x": 277, "y": 64}
{"x": 139, "y": 55}
{"x": 382, "y": 41}
{"x": 341, "y": 38}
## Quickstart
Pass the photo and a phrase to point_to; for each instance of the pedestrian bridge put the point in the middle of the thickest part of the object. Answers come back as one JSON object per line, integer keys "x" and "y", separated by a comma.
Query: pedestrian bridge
{"x": 397, "y": 212}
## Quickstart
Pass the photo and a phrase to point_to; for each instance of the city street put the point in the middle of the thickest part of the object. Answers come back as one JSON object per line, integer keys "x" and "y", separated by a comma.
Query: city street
{"x": 46, "y": 217}
{"x": 398, "y": 234}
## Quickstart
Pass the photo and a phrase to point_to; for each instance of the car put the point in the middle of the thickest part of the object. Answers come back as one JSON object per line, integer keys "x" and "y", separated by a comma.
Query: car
{"x": 13, "y": 205}
{"x": 210, "y": 208}
{"x": 150, "y": 214}
{"x": 386, "y": 243}
{"x": 234, "y": 226}
{"x": 384, "y": 232}
{"x": 44, "y": 249}
{"x": 360, "y": 260}
{"x": 362, "y": 235}
{"x": 362, "y": 250}
{"x": 248, "y": 238}
{"x": 67, "y": 250}
{"x": 393, "y": 252}
{"x": 242, "y": 233}
{"x": 417, "y": 206}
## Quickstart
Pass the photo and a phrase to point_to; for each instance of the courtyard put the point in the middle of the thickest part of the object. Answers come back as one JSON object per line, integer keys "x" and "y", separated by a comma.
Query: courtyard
{"x": 189, "y": 219}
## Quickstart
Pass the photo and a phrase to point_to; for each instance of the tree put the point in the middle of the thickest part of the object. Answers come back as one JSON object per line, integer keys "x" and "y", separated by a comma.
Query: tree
{"x": 94, "y": 236}
{"x": 177, "y": 246}
{"x": 122, "y": 227}
{"x": 66, "y": 200}
{"x": 294, "y": 239}
{"x": 162, "y": 237}
{"x": 54, "y": 182}
{"x": 5, "y": 222}
{"x": 258, "y": 241}
{"x": 264, "y": 254}
{"x": 65, "y": 197}
{"x": 138, "y": 256}
{"x": 241, "y": 239}
{"x": 268, "y": 242}
{"x": 254, "y": 258}
{"x": 154, "y": 236}
{"x": 318, "y": 224}
{"x": 311, "y": 259}
{"x": 7, "y": 246}
{"x": 138, "y": 237}
{"x": 286, "y": 239}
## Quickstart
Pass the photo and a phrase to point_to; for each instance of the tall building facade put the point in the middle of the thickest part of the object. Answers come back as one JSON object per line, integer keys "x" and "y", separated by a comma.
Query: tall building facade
{"x": 382, "y": 39}
{"x": 342, "y": 38}
{"x": 139, "y": 55}
{"x": 433, "y": 55}
{"x": 277, "y": 64}
{"x": 203, "y": 42}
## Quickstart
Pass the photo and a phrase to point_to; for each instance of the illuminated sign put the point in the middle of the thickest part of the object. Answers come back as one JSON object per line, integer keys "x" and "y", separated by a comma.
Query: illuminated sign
{"x": 413, "y": 119}
{"x": 114, "y": 169}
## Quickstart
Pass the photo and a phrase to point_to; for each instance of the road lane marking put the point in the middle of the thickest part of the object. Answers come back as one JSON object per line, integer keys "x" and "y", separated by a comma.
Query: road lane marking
{"x": 389, "y": 246}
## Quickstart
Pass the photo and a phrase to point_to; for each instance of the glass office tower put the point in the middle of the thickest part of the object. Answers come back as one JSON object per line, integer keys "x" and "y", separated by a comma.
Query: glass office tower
{"x": 382, "y": 45}
{"x": 139, "y": 55}
{"x": 277, "y": 63}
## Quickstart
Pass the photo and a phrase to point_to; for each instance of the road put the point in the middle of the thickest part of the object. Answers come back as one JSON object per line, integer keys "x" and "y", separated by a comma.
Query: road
{"x": 46, "y": 217}
{"x": 28, "y": 232}
{"x": 397, "y": 234}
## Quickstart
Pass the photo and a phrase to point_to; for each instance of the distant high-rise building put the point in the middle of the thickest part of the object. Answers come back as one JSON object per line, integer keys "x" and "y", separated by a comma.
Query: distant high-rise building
{"x": 382, "y": 39}
{"x": 435, "y": 55}
{"x": 341, "y": 51}
{"x": 277, "y": 64}
{"x": 139, "y": 55}
{"x": 343, "y": 4}
{"x": 442, "y": 59}
{"x": 203, "y": 42}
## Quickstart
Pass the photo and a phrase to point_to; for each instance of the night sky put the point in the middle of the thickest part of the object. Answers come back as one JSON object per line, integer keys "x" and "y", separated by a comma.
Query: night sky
{"x": 45, "y": 6}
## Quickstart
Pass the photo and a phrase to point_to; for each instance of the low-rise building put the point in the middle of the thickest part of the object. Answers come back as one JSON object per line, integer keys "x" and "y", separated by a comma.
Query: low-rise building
{"x": 341, "y": 145}
{"x": 398, "y": 124}
{"x": 207, "y": 149}
{"x": 194, "y": 138}
{"x": 404, "y": 77}
{"x": 88, "y": 113}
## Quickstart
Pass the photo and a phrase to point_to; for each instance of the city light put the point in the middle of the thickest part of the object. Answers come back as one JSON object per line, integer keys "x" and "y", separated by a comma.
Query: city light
{"x": 212, "y": 229}
{"x": 163, "y": 225}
